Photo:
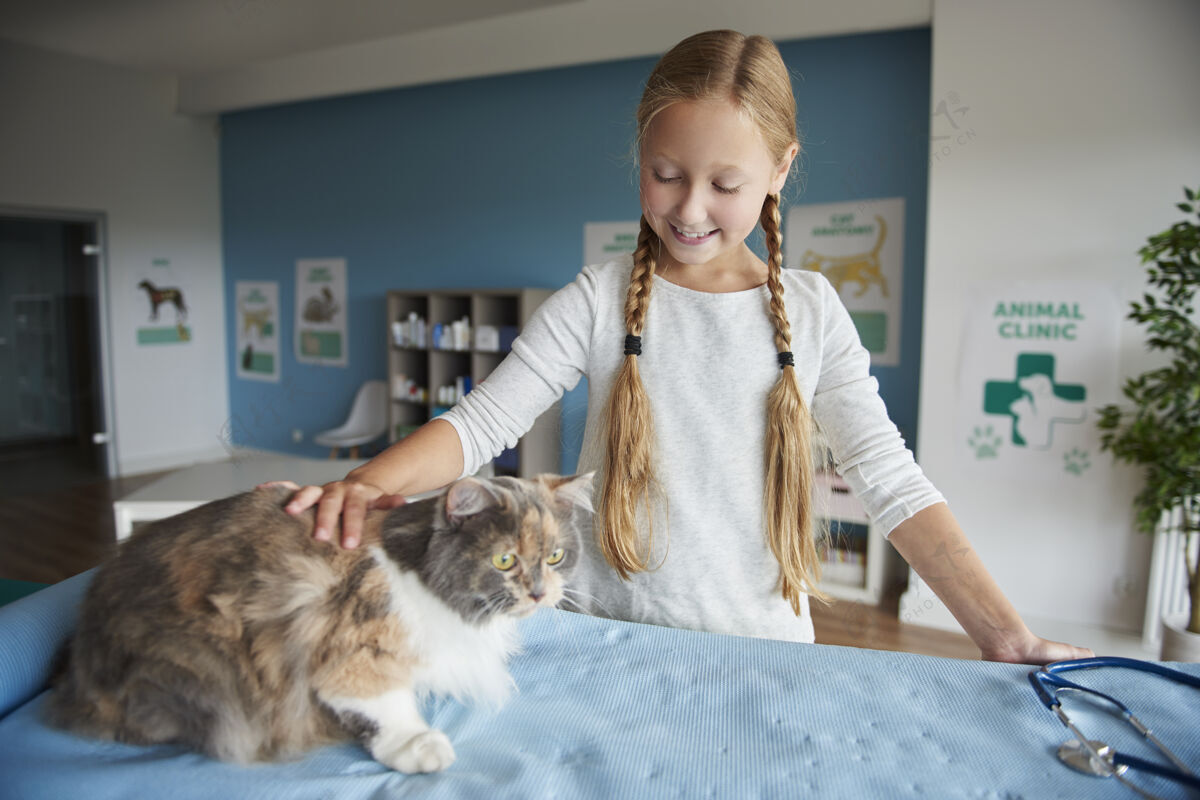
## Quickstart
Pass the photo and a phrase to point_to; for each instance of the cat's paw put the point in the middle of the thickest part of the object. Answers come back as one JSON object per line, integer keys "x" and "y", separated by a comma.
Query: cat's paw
{"x": 429, "y": 751}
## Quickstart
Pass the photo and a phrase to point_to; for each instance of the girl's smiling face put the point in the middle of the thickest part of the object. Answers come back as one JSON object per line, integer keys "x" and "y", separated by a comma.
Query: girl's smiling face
{"x": 705, "y": 171}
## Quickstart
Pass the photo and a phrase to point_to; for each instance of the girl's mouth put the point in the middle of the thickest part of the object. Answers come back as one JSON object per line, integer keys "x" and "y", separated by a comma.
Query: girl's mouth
{"x": 693, "y": 237}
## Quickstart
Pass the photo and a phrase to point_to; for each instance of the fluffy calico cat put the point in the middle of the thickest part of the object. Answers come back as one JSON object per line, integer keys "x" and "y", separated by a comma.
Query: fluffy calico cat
{"x": 231, "y": 630}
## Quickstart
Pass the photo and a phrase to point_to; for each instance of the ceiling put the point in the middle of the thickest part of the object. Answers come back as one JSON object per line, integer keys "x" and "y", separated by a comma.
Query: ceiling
{"x": 230, "y": 54}
{"x": 190, "y": 37}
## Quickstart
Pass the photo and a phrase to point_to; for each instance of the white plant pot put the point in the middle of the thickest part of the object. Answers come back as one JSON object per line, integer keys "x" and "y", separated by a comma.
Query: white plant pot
{"x": 1178, "y": 644}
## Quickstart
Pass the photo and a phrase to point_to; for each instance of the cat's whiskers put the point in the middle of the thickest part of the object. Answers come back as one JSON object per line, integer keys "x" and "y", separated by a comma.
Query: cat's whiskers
{"x": 495, "y": 603}
{"x": 572, "y": 633}
{"x": 584, "y": 596}
{"x": 577, "y": 606}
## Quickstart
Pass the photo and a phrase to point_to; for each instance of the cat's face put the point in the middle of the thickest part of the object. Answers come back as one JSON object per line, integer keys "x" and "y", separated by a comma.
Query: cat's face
{"x": 509, "y": 546}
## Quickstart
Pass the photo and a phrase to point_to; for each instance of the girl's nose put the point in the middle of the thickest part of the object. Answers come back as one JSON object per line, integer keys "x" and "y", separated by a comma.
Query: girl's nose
{"x": 691, "y": 207}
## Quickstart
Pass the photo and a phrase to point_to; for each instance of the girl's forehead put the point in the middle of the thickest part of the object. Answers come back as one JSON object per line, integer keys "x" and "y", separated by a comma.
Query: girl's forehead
{"x": 715, "y": 133}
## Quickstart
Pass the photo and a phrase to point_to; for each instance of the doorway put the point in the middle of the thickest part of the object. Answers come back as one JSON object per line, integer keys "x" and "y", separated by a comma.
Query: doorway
{"x": 53, "y": 420}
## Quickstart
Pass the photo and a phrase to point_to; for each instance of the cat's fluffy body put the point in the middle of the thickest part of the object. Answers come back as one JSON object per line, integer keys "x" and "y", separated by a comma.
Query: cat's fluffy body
{"x": 231, "y": 630}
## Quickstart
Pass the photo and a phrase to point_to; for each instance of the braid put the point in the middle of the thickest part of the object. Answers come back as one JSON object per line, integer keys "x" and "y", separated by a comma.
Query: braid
{"x": 770, "y": 221}
{"x": 644, "y": 265}
{"x": 628, "y": 475}
{"x": 788, "y": 478}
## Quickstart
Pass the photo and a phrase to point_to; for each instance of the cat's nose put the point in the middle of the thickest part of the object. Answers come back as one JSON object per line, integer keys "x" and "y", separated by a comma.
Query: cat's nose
{"x": 536, "y": 595}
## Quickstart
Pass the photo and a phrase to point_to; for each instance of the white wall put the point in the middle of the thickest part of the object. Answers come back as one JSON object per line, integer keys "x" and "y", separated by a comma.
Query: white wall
{"x": 1085, "y": 129}
{"x": 79, "y": 135}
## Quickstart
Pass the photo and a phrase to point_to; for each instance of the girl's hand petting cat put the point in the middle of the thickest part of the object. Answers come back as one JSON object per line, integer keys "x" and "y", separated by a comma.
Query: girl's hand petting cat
{"x": 349, "y": 500}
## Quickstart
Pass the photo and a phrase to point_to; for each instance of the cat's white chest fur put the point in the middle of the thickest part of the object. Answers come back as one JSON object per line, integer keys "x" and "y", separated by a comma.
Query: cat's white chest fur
{"x": 454, "y": 657}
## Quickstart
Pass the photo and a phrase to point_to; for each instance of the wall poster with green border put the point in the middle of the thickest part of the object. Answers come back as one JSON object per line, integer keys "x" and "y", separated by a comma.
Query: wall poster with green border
{"x": 321, "y": 312}
{"x": 166, "y": 296}
{"x": 859, "y": 247}
{"x": 607, "y": 241}
{"x": 257, "y": 315}
{"x": 1038, "y": 358}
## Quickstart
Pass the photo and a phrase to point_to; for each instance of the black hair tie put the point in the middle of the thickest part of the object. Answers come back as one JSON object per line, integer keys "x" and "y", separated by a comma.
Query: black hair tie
{"x": 633, "y": 345}
{"x": 786, "y": 359}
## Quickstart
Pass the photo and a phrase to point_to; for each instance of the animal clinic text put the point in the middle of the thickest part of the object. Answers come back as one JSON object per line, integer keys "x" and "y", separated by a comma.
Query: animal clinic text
{"x": 1037, "y": 320}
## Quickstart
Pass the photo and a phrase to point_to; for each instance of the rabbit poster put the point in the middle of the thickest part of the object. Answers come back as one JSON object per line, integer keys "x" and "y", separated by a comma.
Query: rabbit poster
{"x": 321, "y": 312}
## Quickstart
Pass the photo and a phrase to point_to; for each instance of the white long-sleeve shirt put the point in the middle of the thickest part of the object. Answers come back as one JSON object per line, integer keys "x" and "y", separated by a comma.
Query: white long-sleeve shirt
{"x": 708, "y": 363}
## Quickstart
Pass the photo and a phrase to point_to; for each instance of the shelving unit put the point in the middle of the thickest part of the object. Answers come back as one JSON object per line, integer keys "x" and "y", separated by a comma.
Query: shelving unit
{"x": 853, "y": 559}
{"x": 417, "y": 363}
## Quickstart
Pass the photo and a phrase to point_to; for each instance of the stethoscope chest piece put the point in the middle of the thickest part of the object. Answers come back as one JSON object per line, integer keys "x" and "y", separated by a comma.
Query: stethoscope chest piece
{"x": 1082, "y": 759}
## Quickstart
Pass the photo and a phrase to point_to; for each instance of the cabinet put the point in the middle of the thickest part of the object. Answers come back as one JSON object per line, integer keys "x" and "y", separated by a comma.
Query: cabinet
{"x": 443, "y": 343}
{"x": 852, "y": 558}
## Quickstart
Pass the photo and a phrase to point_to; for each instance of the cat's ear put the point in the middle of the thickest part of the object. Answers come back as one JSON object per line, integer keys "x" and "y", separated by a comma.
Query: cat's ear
{"x": 469, "y": 497}
{"x": 572, "y": 490}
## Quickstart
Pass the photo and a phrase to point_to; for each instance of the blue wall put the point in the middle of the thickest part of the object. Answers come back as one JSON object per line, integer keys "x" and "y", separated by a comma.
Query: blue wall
{"x": 488, "y": 183}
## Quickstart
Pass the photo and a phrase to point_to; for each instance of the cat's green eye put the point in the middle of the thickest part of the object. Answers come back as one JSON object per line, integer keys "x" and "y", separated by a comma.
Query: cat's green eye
{"x": 504, "y": 561}
{"x": 556, "y": 556}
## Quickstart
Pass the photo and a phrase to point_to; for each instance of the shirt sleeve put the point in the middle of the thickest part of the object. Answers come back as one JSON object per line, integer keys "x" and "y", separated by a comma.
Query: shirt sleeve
{"x": 868, "y": 451}
{"x": 548, "y": 358}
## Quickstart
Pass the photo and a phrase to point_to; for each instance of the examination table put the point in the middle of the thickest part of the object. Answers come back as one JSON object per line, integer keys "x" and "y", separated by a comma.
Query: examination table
{"x": 617, "y": 710}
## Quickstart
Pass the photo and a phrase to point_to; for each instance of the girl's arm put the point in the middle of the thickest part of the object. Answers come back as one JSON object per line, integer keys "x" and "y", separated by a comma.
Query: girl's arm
{"x": 932, "y": 542}
{"x": 548, "y": 358}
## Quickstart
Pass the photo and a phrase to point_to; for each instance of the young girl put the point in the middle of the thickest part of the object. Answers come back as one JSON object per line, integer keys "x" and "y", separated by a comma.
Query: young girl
{"x": 707, "y": 371}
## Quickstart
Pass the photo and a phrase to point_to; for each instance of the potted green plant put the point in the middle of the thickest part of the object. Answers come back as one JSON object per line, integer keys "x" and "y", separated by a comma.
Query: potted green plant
{"x": 1159, "y": 429}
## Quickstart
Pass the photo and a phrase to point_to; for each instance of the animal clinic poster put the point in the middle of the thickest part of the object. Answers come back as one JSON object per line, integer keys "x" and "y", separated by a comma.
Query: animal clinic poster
{"x": 321, "y": 312}
{"x": 258, "y": 330}
{"x": 859, "y": 247}
{"x": 1038, "y": 359}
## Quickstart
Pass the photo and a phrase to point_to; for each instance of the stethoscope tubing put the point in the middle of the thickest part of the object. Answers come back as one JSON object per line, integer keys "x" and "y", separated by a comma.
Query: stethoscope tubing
{"x": 1070, "y": 665}
{"x": 1051, "y": 676}
{"x": 1161, "y": 770}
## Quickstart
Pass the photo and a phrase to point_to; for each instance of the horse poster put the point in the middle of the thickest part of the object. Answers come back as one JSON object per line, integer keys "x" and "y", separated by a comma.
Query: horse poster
{"x": 167, "y": 310}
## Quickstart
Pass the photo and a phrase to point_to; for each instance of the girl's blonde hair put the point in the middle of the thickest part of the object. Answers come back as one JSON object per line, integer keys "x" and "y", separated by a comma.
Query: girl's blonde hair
{"x": 749, "y": 71}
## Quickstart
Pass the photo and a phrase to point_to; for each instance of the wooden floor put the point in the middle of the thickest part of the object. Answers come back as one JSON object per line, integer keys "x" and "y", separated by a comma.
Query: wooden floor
{"x": 56, "y": 517}
{"x": 56, "y": 521}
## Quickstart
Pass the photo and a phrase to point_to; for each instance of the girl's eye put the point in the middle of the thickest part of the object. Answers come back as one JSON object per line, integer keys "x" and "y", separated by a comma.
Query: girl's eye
{"x": 675, "y": 179}
{"x": 555, "y": 557}
{"x": 504, "y": 561}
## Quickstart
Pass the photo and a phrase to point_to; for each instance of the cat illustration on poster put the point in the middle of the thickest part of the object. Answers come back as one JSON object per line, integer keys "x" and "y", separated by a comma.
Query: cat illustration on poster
{"x": 257, "y": 320}
{"x": 861, "y": 268}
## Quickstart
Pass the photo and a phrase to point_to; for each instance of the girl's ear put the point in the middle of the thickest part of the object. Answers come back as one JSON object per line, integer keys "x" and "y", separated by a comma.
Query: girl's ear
{"x": 469, "y": 497}
{"x": 785, "y": 168}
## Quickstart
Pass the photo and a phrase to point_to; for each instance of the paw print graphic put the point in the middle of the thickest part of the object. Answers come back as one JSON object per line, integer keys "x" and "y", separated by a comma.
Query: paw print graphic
{"x": 985, "y": 442}
{"x": 1076, "y": 461}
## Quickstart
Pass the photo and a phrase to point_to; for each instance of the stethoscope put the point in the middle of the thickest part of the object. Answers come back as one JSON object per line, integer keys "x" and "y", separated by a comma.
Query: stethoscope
{"x": 1095, "y": 757}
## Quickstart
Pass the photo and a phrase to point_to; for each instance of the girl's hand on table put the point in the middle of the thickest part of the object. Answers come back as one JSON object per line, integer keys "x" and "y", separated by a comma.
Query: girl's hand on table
{"x": 1037, "y": 651}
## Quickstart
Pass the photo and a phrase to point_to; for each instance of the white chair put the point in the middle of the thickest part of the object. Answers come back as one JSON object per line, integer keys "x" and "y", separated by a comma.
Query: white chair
{"x": 367, "y": 421}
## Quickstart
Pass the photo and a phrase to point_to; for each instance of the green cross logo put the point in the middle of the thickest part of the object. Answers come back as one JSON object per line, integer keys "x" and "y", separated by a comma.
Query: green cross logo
{"x": 1035, "y": 401}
